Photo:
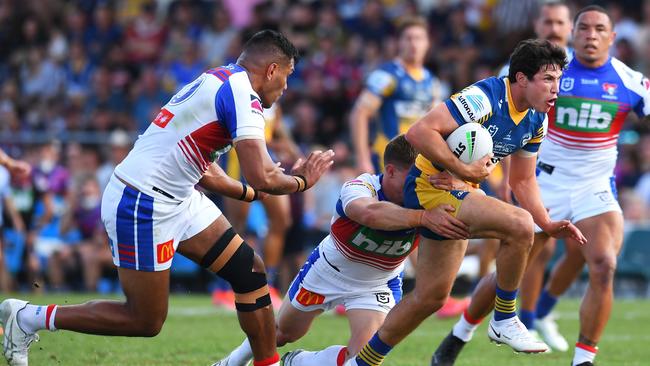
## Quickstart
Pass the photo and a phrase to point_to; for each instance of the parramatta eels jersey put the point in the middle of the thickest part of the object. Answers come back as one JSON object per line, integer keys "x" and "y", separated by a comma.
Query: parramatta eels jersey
{"x": 405, "y": 98}
{"x": 359, "y": 252}
{"x": 192, "y": 130}
{"x": 588, "y": 115}
{"x": 488, "y": 102}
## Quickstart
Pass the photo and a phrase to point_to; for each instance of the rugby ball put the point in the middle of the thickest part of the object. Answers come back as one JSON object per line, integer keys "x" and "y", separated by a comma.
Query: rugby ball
{"x": 470, "y": 142}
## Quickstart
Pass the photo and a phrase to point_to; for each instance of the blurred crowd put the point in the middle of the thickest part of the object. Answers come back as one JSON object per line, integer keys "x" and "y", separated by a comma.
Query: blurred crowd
{"x": 79, "y": 80}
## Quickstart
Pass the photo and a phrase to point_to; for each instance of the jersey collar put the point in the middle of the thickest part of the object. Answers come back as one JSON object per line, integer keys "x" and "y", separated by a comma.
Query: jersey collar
{"x": 514, "y": 113}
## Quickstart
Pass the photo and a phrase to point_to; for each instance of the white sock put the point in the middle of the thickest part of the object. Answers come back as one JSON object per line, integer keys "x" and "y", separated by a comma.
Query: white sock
{"x": 582, "y": 355}
{"x": 33, "y": 318}
{"x": 241, "y": 355}
{"x": 463, "y": 329}
{"x": 330, "y": 356}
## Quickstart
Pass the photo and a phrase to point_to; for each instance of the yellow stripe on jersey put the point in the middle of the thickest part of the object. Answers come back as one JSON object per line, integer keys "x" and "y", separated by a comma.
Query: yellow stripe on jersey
{"x": 514, "y": 113}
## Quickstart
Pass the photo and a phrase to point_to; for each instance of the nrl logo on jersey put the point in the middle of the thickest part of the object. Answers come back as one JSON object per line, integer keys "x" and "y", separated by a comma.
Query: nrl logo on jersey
{"x": 567, "y": 84}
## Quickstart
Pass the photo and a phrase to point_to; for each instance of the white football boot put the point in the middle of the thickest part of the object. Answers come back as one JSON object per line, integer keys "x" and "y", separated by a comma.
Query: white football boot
{"x": 514, "y": 333}
{"x": 548, "y": 330}
{"x": 16, "y": 341}
{"x": 289, "y": 356}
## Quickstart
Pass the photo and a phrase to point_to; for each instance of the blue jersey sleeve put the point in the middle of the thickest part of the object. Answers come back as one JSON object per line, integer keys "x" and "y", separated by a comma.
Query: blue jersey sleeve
{"x": 474, "y": 103}
{"x": 381, "y": 82}
{"x": 240, "y": 110}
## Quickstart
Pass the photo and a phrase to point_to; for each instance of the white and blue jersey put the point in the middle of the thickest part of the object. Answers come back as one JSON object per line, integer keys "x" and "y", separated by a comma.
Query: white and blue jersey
{"x": 354, "y": 265}
{"x": 150, "y": 204}
{"x": 193, "y": 129}
{"x": 589, "y": 113}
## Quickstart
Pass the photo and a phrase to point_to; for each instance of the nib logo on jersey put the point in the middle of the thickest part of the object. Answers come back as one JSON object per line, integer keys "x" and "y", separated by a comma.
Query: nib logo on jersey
{"x": 370, "y": 240}
{"x": 578, "y": 114}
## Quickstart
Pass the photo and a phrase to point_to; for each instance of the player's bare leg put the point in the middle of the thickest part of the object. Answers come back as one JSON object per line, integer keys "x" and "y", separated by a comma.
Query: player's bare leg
{"x": 487, "y": 253}
{"x": 237, "y": 212}
{"x": 605, "y": 235}
{"x": 293, "y": 324}
{"x": 257, "y": 322}
{"x": 533, "y": 280}
{"x": 483, "y": 297}
{"x": 141, "y": 315}
{"x": 278, "y": 213}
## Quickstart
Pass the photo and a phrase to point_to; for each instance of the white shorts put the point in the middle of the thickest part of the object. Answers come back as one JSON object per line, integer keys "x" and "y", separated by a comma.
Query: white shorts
{"x": 570, "y": 199}
{"x": 144, "y": 232}
{"x": 318, "y": 286}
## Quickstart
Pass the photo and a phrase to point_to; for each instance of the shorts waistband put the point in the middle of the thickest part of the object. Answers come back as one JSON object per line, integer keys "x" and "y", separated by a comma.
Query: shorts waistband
{"x": 153, "y": 188}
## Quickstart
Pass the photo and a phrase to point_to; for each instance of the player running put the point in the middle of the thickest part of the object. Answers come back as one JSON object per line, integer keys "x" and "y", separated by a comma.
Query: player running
{"x": 359, "y": 264}
{"x": 553, "y": 24}
{"x": 513, "y": 111}
{"x": 150, "y": 208}
{"x": 597, "y": 92}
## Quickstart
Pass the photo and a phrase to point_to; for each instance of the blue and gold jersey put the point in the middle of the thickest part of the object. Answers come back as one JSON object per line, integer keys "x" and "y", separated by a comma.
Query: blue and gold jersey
{"x": 406, "y": 96}
{"x": 488, "y": 102}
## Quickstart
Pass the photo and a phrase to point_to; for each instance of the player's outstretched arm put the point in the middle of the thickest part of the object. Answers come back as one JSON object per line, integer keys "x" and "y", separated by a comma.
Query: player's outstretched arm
{"x": 427, "y": 137}
{"x": 384, "y": 215}
{"x": 524, "y": 185}
{"x": 366, "y": 106}
{"x": 216, "y": 180}
{"x": 264, "y": 175}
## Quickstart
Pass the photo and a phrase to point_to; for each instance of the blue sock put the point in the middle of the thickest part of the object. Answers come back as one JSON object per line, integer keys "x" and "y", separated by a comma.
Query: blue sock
{"x": 505, "y": 304}
{"x": 545, "y": 304}
{"x": 373, "y": 353}
{"x": 528, "y": 318}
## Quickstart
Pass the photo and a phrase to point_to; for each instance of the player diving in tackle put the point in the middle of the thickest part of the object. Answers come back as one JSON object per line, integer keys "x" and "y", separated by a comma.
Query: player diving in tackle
{"x": 150, "y": 208}
{"x": 513, "y": 110}
{"x": 359, "y": 264}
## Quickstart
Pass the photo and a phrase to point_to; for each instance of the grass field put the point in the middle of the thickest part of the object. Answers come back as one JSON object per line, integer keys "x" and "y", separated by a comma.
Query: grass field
{"x": 196, "y": 333}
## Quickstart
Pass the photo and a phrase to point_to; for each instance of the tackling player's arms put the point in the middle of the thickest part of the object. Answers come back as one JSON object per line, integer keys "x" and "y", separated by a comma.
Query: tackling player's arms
{"x": 427, "y": 136}
{"x": 384, "y": 215}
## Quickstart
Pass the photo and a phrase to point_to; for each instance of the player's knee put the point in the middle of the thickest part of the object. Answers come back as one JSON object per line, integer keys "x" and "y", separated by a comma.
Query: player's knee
{"x": 283, "y": 337}
{"x": 150, "y": 328}
{"x": 258, "y": 264}
{"x": 601, "y": 271}
{"x": 428, "y": 302}
{"x": 522, "y": 228}
{"x": 236, "y": 262}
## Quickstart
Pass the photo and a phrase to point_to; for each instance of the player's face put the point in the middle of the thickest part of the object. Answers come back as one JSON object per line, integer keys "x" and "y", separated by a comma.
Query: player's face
{"x": 592, "y": 37}
{"x": 414, "y": 44}
{"x": 541, "y": 91}
{"x": 554, "y": 24}
{"x": 276, "y": 84}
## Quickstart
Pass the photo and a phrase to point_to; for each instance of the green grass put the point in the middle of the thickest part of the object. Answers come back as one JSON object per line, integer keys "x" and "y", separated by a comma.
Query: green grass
{"x": 196, "y": 333}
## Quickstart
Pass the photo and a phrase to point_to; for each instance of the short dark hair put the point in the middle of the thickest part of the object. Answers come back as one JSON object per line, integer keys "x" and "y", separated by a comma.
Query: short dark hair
{"x": 597, "y": 8}
{"x": 270, "y": 42}
{"x": 531, "y": 54}
{"x": 409, "y": 22}
{"x": 399, "y": 152}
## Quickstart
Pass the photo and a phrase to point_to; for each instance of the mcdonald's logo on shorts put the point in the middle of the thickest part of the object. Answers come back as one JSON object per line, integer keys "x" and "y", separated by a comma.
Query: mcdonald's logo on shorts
{"x": 165, "y": 251}
{"x": 307, "y": 298}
